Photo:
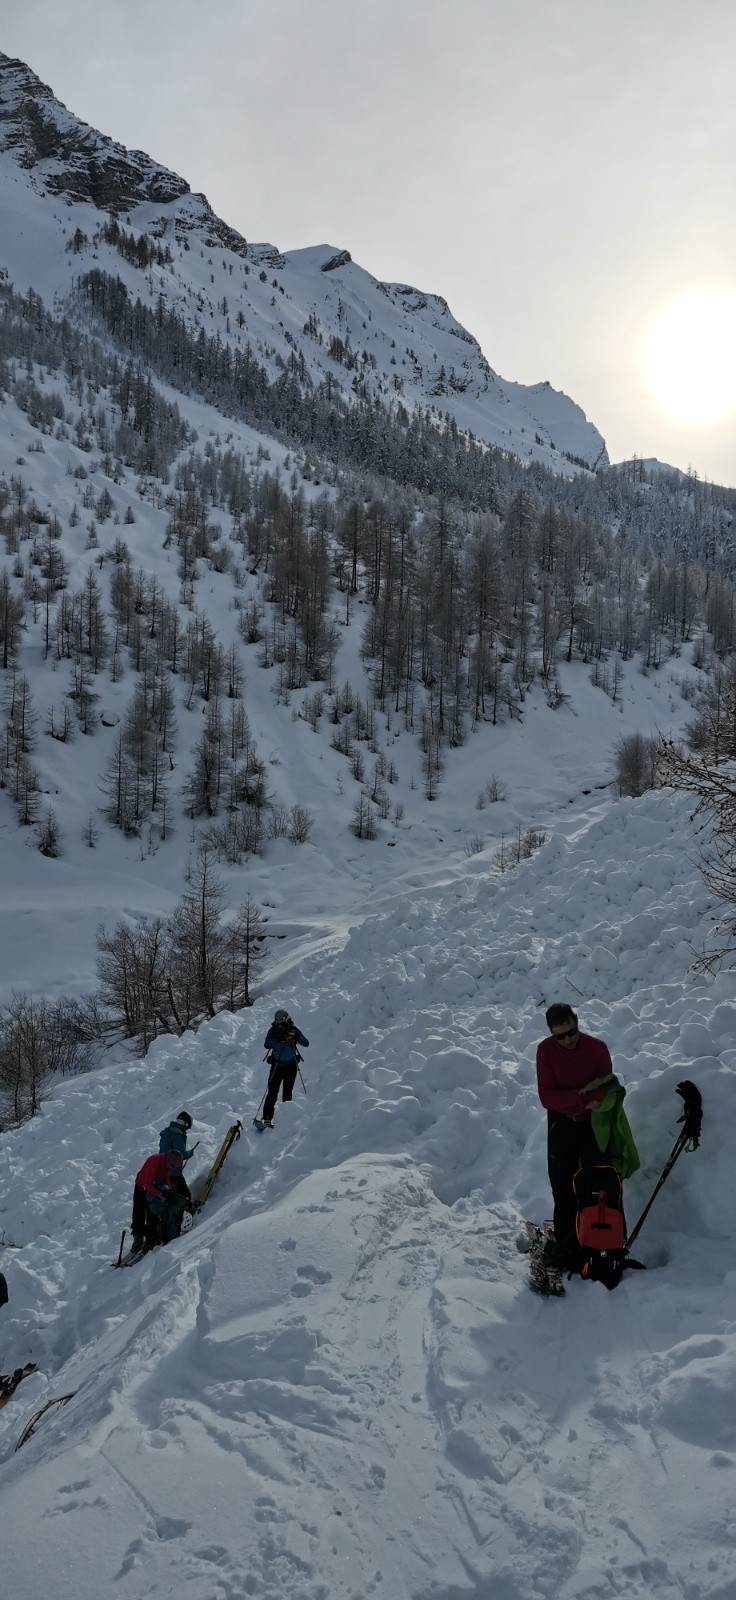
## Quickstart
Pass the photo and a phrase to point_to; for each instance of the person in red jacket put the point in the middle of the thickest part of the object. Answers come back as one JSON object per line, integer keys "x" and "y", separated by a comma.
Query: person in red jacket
{"x": 155, "y": 1200}
{"x": 571, "y": 1067}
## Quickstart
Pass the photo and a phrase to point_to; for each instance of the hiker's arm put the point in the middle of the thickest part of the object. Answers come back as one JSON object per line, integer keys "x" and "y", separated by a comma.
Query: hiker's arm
{"x": 605, "y": 1074}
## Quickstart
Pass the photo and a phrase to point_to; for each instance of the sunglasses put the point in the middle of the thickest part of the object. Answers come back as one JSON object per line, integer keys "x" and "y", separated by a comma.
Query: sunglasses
{"x": 568, "y": 1034}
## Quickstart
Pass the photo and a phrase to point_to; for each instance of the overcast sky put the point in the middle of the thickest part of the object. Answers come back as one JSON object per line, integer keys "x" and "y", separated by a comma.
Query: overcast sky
{"x": 559, "y": 170}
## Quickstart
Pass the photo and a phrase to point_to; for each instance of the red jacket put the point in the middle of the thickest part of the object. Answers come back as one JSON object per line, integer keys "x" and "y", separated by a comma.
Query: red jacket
{"x": 157, "y": 1172}
{"x": 561, "y": 1073}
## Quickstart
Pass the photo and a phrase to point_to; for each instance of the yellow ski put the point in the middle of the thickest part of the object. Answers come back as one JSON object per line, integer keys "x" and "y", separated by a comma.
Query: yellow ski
{"x": 232, "y": 1134}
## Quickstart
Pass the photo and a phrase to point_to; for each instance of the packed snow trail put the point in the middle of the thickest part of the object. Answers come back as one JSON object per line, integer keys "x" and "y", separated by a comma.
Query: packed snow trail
{"x": 338, "y": 1383}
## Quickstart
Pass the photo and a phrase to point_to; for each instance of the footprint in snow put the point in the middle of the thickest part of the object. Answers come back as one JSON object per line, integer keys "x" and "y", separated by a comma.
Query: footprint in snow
{"x": 309, "y": 1277}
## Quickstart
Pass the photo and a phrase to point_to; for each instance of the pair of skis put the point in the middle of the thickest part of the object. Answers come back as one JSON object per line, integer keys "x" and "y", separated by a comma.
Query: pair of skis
{"x": 233, "y": 1133}
{"x": 61, "y": 1400}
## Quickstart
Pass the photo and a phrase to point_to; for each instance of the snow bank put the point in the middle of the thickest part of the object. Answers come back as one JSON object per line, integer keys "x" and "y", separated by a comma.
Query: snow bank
{"x": 338, "y": 1383}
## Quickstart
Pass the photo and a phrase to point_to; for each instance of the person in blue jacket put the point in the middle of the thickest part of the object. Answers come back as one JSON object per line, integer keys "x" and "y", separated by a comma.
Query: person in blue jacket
{"x": 174, "y": 1137}
{"x": 282, "y": 1042}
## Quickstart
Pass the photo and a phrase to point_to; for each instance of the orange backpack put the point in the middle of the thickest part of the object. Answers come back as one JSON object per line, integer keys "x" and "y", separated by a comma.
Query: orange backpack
{"x": 600, "y": 1225}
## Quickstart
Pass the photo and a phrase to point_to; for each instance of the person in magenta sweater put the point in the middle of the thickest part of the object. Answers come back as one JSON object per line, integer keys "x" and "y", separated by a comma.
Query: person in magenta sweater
{"x": 571, "y": 1068}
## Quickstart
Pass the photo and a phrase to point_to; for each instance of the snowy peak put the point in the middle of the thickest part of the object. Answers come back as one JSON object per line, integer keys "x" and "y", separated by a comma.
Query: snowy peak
{"x": 66, "y": 157}
{"x": 407, "y": 335}
{"x": 340, "y": 259}
{"x": 65, "y": 190}
{"x": 404, "y": 343}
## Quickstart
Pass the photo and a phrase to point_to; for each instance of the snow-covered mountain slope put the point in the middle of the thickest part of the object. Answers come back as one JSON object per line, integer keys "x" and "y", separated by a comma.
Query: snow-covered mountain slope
{"x": 56, "y": 175}
{"x": 62, "y": 182}
{"x": 543, "y": 763}
{"x": 339, "y": 1383}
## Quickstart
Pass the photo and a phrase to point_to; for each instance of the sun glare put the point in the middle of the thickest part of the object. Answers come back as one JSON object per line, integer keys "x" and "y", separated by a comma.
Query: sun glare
{"x": 690, "y": 357}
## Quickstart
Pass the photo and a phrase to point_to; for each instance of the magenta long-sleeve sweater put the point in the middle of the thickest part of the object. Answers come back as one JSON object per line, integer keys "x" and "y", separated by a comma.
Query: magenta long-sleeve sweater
{"x": 561, "y": 1073}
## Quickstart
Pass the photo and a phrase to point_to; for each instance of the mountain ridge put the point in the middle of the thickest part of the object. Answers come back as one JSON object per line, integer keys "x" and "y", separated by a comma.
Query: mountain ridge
{"x": 371, "y": 337}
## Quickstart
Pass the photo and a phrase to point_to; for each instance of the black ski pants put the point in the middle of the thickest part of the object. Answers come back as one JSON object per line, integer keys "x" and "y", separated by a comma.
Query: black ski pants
{"x": 160, "y": 1221}
{"x": 144, "y": 1223}
{"x": 283, "y": 1073}
{"x": 571, "y": 1143}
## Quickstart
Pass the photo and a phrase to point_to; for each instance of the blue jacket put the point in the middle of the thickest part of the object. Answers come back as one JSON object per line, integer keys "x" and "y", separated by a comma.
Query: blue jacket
{"x": 174, "y": 1138}
{"x": 283, "y": 1051}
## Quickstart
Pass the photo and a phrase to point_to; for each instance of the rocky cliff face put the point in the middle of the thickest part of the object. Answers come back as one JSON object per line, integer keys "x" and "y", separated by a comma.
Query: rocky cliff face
{"x": 68, "y": 158}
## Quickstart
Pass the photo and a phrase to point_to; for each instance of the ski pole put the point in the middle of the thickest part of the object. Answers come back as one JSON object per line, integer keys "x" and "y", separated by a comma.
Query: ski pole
{"x": 120, "y": 1251}
{"x": 692, "y": 1117}
{"x": 677, "y": 1151}
{"x": 263, "y": 1097}
{"x": 301, "y": 1080}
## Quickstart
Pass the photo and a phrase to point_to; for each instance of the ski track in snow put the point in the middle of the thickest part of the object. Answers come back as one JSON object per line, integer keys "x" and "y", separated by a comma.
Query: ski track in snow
{"x": 338, "y": 1383}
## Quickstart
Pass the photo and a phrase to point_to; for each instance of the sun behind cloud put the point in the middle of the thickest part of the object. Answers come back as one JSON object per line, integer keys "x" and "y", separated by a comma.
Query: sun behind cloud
{"x": 690, "y": 357}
